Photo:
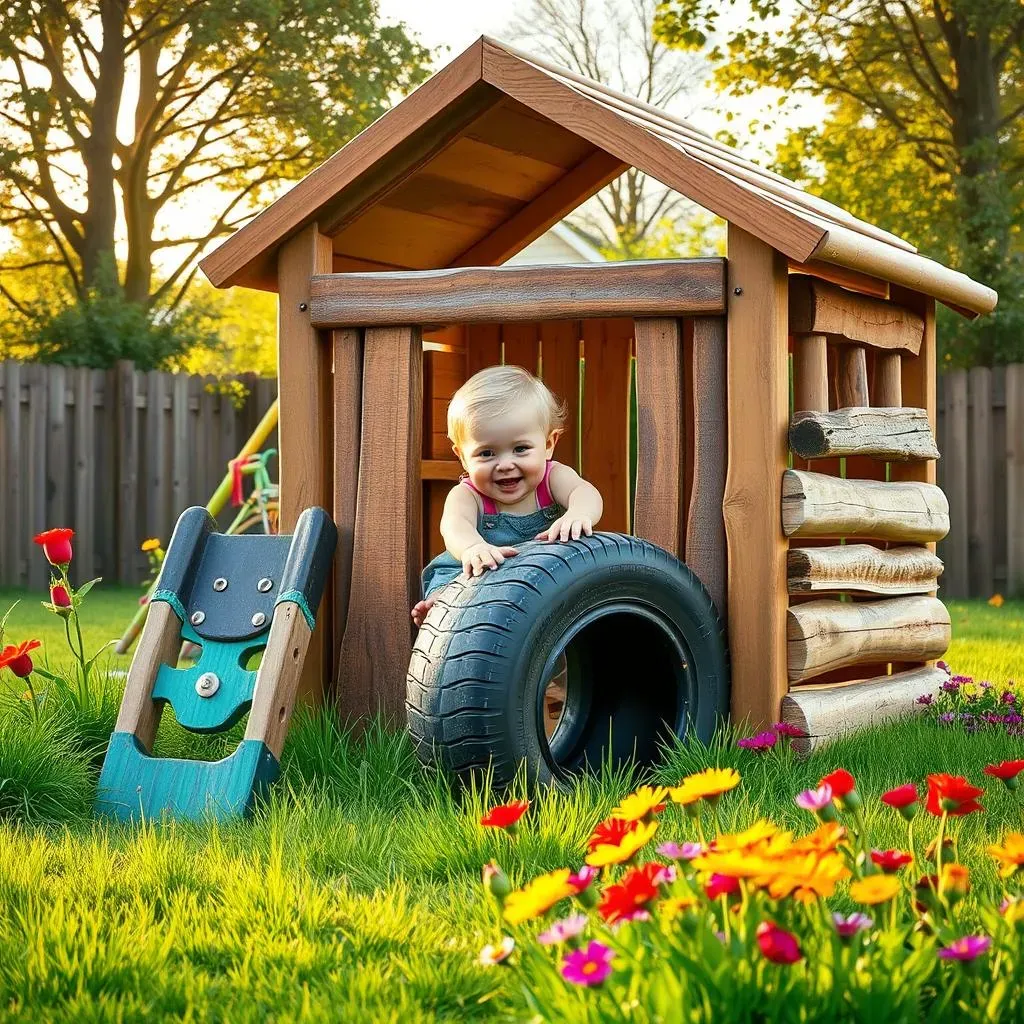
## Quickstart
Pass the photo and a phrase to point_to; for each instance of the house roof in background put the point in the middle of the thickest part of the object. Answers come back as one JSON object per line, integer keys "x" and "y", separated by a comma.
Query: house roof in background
{"x": 499, "y": 145}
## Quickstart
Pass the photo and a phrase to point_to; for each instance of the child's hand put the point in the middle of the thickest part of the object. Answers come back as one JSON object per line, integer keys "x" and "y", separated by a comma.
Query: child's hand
{"x": 567, "y": 526}
{"x": 478, "y": 557}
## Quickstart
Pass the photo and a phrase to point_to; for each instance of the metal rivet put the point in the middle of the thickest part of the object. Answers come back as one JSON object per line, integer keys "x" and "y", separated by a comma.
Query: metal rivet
{"x": 303, "y": 307}
{"x": 220, "y": 584}
{"x": 265, "y": 585}
{"x": 207, "y": 684}
{"x": 258, "y": 619}
{"x": 737, "y": 291}
{"x": 198, "y": 618}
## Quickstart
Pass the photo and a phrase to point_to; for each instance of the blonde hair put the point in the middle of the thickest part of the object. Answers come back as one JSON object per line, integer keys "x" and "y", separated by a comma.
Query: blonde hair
{"x": 493, "y": 393}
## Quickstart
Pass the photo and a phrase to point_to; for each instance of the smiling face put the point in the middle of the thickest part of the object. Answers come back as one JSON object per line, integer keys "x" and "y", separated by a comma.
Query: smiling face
{"x": 505, "y": 458}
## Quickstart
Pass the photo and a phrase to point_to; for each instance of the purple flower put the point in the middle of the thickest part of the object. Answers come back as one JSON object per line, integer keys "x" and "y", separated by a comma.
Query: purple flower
{"x": 943, "y": 666}
{"x": 966, "y": 716}
{"x": 676, "y": 852}
{"x": 946, "y": 717}
{"x": 925, "y": 698}
{"x": 588, "y": 966}
{"x": 847, "y": 927}
{"x": 814, "y": 799}
{"x": 950, "y": 686}
{"x": 963, "y": 680}
{"x": 1009, "y": 697}
{"x": 785, "y": 729}
{"x": 762, "y": 741}
{"x": 970, "y": 947}
{"x": 1012, "y": 719}
{"x": 985, "y": 684}
{"x": 562, "y": 931}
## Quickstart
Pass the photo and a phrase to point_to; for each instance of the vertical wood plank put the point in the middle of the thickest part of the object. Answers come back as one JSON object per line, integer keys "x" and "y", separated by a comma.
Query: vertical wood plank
{"x": 181, "y": 456}
{"x": 375, "y": 649}
{"x": 84, "y": 477}
{"x": 155, "y": 464}
{"x": 14, "y": 534}
{"x": 705, "y": 526}
{"x": 306, "y": 427}
{"x": 887, "y": 384}
{"x": 127, "y": 470}
{"x": 758, "y": 407}
{"x": 810, "y": 373}
{"x": 1015, "y": 479}
{"x": 208, "y": 469}
{"x": 955, "y": 465}
{"x": 520, "y": 345}
{"x": 982, "y": 492}
{"x": 228, "y": 434}
{"x": 58, "y": 496}
{"x": 483, "y": 347}
{"x": 852, "y": 377}
{"x": 560, "y": 366}
{"x": 38, "y": 570}
{"x": 658, "y": 515}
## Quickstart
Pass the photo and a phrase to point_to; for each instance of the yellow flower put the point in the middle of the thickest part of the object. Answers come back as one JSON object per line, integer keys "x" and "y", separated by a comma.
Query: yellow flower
{"x": 1010, "y": 855}
{"x": 874, "y": 889}
{"x": 808, "y": 878}
{"x": 706, "y": 785}
{"x": 605, "y": 854}
{"x": 637, "y": 806}
{"x": 538, "y": 896}
{"x": 825, "y": 838}
{"x": 676, "y": 905}
{"x": 996, "y": 600}
{"x": 955, "y": 879}
{"x": 737, "y": 863}
{"x": 759, "y": 832}
{"x": 151, "y": 545}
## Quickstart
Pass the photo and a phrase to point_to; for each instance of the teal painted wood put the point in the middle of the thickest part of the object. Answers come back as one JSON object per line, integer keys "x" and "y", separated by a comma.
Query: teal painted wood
{"x": 177, "y": 686}
{"x": 134, "y": 786}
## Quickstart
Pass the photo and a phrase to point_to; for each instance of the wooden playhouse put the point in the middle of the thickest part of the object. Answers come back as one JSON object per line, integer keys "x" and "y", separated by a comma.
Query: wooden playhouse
{"x": 785, "y": 395}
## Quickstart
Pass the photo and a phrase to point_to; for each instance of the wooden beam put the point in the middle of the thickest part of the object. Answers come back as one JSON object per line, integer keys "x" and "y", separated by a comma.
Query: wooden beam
{"x": 825, "y": 635}
{"x": 862, "y": 568}
{"x": 824, "y": 714}
{"x": 815, "y": 505}
{"x": 853, "y": 280}
{"x": 758, "y": 412}
{"x": 578, "y": 185}
{"x": 386, "y": 563}
{"x": 520, "y": 293}
{"x": 306, "y": 424}
{"x": 891, "y": 434}
{"x": 817, "y": 307}
{"x": 441, "y": 469}
{"x": 705, "y": 528}
{"x": 661, "y": 447}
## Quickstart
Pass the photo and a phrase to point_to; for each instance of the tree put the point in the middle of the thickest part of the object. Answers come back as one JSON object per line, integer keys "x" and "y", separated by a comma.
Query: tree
{"x": 612, "y": 43}
{"x": 164, "y": 123}
{"x": 926, "y": 102}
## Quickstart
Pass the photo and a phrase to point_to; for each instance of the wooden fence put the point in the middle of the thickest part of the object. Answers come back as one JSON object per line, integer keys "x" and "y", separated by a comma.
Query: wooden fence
{"x": 981, "y": 438}
{"x": 116, "y": 455}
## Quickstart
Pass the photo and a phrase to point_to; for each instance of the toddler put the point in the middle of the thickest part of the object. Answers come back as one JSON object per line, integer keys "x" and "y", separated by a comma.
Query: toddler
{"x": 503, "y": 424}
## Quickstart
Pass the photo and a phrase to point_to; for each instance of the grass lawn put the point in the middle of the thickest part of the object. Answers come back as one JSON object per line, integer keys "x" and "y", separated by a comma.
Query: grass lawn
{"x": 355, "y": 895}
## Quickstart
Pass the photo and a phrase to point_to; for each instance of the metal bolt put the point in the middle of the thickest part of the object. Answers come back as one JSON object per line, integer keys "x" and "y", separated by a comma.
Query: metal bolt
{"x": 198, "y": 618}
{"x": 266, "y": 584}
{"x": 207, "y": 684}
{"x": 258, "y": 619}
{"x": 737, "y": 291}
{"x": 220, "y": 584}
{"x": 303, "y": 307}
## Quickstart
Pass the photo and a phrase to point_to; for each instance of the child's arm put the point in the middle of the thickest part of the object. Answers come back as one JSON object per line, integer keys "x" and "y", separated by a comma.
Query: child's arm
{"x": 461, "y": 537}
{"x": 582, "y": 503}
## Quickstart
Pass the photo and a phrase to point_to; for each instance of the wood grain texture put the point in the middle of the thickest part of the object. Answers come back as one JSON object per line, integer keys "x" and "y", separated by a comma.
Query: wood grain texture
{"x": 818, "y": 307}
{"x": 852, "y": 377}
{"x": 305, "y": 426}
{"x": 560, "y": 371}
{"x": 386, "y": 560}
{"x": 658, "y": 510}
{"x": 887, "y": 382}
{"x": 705, "y": 548}
{"x": 827, "y": 713}
{"x": 441, "y": 469}
{"x": 852, "y": 280}
{"x": 956, "y": 476}
{"x": 158, "y": 645}
{"x": 758, "y": 393}
{"x": 982, "y": 485}
{"x": 518, "y": 293}
{"x": 1015, "y": 478}
{"x": 862, "y": 568}
{"x": 891, "y": 434}
{"x": 277, "y": 679}
{"x": 825, "y": 635}
{"x": 810, "y": 372}
{"x": 815, "y": 505}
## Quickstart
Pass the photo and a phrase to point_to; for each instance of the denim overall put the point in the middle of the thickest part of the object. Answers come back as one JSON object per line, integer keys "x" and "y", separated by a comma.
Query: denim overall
{"x": 498, "y": 528}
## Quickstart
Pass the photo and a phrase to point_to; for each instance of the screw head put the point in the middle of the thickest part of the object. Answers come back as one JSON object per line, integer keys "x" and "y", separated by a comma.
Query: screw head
{"x": 265, "y": 585}
{"x": 737, "y": 291}
{"x": 197, "y": 618}
{"x": 303, "y": 307}
{"x": 207, "y": 684}
{"x": 258, "y": 619}
{"x": 220, "y": 584}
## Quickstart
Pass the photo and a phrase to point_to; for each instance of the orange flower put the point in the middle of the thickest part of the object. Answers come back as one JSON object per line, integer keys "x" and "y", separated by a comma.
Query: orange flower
{"x": 610, "y": 832}
{"x": 627, "y": 898}
{"x": 505, "y": 815}
{"x": 606, "y": 853}
{"x": 16, "y": 658}
{"x": 874, "y": 889}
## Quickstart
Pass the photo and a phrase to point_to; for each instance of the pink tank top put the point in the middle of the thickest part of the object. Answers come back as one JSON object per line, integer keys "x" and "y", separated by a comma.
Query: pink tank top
{"x": 490, "y": 506}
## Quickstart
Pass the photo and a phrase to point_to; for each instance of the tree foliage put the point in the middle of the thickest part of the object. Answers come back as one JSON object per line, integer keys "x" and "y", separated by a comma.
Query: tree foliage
{"x": 923, "y": 136}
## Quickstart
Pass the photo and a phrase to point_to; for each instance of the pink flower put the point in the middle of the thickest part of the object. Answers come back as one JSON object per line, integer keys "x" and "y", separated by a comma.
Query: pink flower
{"x": 676, "y": 852}
{"x": 970, "y": 947}
{"x": 777, "y": 945}
{"x": 847, "y": 927}
{"x": 564, "y": 930}
{"x": 588, "y": 966}
{"x": 785, "y": 729}
{"x": 762, "y": 741}
{"x": 814, "y": 799}
{"x": 925, "y": 698}
{"x": 583, "y": 877}
{"x": 721, "y": 885}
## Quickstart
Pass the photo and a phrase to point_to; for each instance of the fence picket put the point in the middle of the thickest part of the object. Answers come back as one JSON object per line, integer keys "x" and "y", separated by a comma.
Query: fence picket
{"x": 954, "y": 466}
{"x": 84, "y": 478}
{"x": 1015, "y": 479}
{"x": 12, "y": 536}
{"x": 980, "y": 558}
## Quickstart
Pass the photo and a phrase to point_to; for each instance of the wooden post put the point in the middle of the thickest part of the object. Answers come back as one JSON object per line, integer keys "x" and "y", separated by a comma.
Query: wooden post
{"x": 758, "y": 414}
{"x": 306, "y": 418}
{"x": 887, "y": 386}
{"x": 852, "y": 377}
{"x": 1015, "y": 479}
{"x": 982, "y": 491}
{"x": 810, "y": 373}
{"x": 374, "y": 655}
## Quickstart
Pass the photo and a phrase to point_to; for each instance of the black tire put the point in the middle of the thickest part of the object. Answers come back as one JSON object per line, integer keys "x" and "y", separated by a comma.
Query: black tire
{"x": 645, "y": 659}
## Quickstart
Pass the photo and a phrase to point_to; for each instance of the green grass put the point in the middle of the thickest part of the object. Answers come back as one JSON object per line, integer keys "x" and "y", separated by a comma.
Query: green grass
{"x": 354, "y": 895}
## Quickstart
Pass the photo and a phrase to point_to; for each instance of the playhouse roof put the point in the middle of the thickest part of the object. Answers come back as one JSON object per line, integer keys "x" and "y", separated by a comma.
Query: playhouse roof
{"x": 499, "y": 145}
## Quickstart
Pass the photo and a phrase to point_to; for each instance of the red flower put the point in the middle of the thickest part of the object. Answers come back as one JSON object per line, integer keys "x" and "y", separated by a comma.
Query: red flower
{"x": 505, "y": 815}
{"x": 890, "y": 860}
{"x": 901, "y": 796}
{"x": 610, "y": 832}
{"x": 56, "y": 545}
{"x": 841, "y": 781}
{"x": 952, "y": 794}
{"x": 636, "y": 890}
{"x": 721, "y": 885}
{"x": 777, "y": 945}
{"x": 1006, "y": 772}
{"x": 16, "y": 657}
{"x": 59, "y": 596}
